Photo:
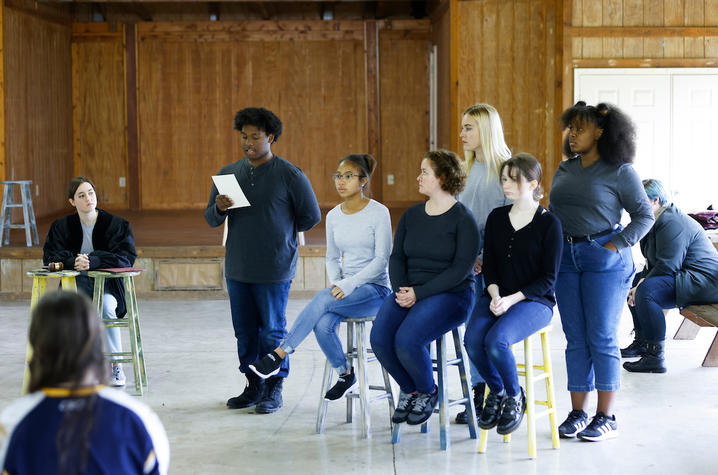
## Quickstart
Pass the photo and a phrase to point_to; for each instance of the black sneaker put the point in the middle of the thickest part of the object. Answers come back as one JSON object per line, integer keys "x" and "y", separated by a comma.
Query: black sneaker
{"x": 403, "y": 407}
{"x": 252, "y": 393}
{"x": 272, "y": 398}
{"x": 634, "y": 350}
{"x": 512, "y": 413}
{"x": 491, "y": 411}
{"x": 576, "y": 421}
{"x": 345, "y": 383}
{"x": 601, "y": 428}
{"x": 424, "y": 406}
{"x": 267, "y": 366}
{"x": 479, "y": 389}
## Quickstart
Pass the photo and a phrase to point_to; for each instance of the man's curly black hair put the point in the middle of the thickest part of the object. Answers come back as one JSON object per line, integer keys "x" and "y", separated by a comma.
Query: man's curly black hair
{"x": 617, "y": 144}
{"x": 261, "y": 118}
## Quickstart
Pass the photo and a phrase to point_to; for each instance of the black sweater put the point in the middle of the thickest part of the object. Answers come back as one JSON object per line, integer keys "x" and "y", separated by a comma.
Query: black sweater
{"x": 113, "y": 243}
{"x": 526, "y": 260}
{"x": 434, "y": 254}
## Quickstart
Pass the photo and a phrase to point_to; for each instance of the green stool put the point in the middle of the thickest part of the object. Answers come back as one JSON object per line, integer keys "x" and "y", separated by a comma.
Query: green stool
{"x": 131, "y": 321}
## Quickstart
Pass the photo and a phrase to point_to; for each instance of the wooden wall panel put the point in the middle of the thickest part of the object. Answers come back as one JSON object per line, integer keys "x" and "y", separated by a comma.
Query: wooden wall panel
{"x": 441, "y": 37}
{"x": 507, "y": 58}
{"x": 100, "y": 143}
{"x": 404, "y": 99}
{"x": 38, "y": 99}
{"x": 191, "y": 85}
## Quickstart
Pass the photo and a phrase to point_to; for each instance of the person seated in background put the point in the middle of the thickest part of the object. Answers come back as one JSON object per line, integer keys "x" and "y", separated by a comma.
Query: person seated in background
{"x": 93, "y": 239}
{"x": 681, "y": 269}
{"x": 70, "y": 423}
{"x": 358, "y": 247}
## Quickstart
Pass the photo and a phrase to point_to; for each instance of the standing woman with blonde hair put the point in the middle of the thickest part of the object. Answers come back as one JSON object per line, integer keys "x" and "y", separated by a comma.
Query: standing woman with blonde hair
{"x": 485, "y": 151}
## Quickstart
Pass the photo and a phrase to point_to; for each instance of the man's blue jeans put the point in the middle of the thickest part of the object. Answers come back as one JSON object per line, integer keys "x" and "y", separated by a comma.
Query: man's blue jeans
{"x": 652, "y": 296}
{"x": 488, "y": 340}
{"x": 400, "y": 335}
{"x": 259, "y": 320}
{"x": 324, "y": 313}
{"x": 591, "y": 290}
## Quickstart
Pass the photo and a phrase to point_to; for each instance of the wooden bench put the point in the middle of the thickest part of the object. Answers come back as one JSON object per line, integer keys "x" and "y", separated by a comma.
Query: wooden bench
{"x": 697, "y": 316}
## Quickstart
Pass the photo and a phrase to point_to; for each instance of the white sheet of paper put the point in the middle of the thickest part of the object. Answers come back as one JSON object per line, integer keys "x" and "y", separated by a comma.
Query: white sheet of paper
{"x": 228, "y": 185}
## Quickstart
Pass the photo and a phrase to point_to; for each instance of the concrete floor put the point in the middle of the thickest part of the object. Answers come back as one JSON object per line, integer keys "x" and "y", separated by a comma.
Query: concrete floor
{"x": 667, "y": 422}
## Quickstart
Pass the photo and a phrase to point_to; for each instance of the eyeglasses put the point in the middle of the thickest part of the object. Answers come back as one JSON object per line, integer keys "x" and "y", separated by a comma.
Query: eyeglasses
{"x": 346, "y": 177}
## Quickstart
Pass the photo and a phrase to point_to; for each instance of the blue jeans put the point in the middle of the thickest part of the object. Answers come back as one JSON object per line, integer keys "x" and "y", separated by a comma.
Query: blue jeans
{"x": 259, "y": 320}
{"x": 591, "y": 290}
{"x": 324, "y": 313}
{"x": 400, "y": 335}
{"x": 488, "y": 340}
{"x": 652, "y": 296}
{"x": 476, "y": 377}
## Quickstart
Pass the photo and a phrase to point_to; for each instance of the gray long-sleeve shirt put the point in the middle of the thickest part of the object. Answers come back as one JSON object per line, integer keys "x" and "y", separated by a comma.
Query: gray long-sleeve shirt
{"x": 590, "y": 200}
{"x": 262, "y": 238}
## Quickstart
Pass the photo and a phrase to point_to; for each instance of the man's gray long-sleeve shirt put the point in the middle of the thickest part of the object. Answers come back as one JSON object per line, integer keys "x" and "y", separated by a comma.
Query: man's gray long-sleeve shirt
{"x": 262, "y": 238}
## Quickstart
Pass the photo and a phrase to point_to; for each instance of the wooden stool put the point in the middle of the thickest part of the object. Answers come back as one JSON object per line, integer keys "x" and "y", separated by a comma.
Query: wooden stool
{"x": 527, "y": 370}
{"x": 357, "y": 350}
{"x": 39, "y": 287}
{"x": 131, "y": 321}
{"x": 440, "y": 366}
{"x": 27, "y": 212}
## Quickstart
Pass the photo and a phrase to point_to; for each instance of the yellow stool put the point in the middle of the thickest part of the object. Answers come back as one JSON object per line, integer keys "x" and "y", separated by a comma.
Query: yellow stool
{"x": 527, "y": 370}
{"x": 39, "y": 287}
{"x": 131, "y": 321}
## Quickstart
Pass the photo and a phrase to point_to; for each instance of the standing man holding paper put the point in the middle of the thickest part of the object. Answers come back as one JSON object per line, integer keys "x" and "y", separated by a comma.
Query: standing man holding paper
{"x": 261, "y": 254}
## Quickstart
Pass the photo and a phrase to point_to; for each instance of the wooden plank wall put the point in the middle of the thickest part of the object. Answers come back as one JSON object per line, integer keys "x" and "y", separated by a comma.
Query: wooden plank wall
{"x": 38, "y": 99}
{"x": 441, "y": 37}
{"x": 507, "y": 57}
{"x": 98, "y": 103}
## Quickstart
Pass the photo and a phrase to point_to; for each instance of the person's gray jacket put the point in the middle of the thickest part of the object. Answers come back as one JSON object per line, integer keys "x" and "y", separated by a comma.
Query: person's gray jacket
{"x": 677, "y": 245}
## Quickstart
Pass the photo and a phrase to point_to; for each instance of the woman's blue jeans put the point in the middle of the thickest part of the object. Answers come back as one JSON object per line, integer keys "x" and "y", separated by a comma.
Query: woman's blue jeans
{"x": 476, "y": 377}
{"x": 488, "y": 340}
{"x": 400, "y": 335}
{"x": 652, "y": 296}
{"x": 591, "y": 290}
{"x": 324, "y": 313}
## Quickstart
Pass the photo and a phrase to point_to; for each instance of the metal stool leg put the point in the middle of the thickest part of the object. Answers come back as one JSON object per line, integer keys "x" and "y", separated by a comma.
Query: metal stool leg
{"x": 463, "y": 364}
{"x": 323, "y": 403}
{"x": 351, "y": 356}
{"x": 362, "y": 363}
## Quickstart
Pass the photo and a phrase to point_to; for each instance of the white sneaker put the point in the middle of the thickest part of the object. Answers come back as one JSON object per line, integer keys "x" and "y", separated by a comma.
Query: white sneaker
{"x": 118, "y": 376}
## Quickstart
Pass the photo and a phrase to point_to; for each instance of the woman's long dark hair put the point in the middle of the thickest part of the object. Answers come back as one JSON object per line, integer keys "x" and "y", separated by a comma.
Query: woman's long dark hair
{"x": 617, "y": 143}
{"x": 67, "y": 339}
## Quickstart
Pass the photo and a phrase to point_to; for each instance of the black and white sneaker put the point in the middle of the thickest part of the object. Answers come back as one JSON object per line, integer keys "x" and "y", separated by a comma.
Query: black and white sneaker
{"x": 601, "y": 428}
{"x": 267, "y": 366}
{"x": 345, "y": 383}
{"x": 576, "y": 421}
{"x": 403, "y": 407}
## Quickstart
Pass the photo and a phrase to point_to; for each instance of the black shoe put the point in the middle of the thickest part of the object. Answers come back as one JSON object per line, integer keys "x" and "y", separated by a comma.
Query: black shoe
{"x": 512, "y": 413}
{"x": 344, "y": 384}
{"x": 403, "y": 407}
{"x": 491, "y": 411}
{"x": 601, "y": 428}
{"x": 634, "y": 350}
{"x": 479, "y": 389}
{"x": 652, "y": 361}
{"x": 268, "y": 366}
{"x": 272, "y": 398}
{"x": 423, "y": 407}
{"x": 252, "y": 393}
{"x": 576, "y": 421}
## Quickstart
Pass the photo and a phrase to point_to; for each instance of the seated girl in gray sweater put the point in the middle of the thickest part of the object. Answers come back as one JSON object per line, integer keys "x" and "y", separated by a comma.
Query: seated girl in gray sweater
{"x": 358, "y": 247}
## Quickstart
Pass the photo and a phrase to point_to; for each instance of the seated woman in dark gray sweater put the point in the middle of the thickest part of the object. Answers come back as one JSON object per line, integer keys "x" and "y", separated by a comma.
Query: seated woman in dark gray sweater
{"x": 681, "y": 269}
{"x": 431, "y": 273}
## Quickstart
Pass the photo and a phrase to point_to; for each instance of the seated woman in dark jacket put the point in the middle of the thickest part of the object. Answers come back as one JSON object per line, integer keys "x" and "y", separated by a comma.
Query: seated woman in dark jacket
{"x": 94, "y": 239}
{"x": 681, "y": 269}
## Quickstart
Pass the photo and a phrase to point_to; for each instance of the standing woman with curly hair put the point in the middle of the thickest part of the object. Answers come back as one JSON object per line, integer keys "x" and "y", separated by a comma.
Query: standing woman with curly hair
{"x": 588, "y": 194}
{"x": 430, "y": 268}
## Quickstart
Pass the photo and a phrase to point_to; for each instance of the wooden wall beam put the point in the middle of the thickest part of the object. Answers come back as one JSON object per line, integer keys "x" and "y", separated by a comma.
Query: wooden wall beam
{"x": 646, "y": 63}
{"x": 132, "y": 116}
{"x": 640, "y": 32}
{"x": 373, "y": 99}
{"x": 52, "y": 13}
{"x": 454, "y": 73}
{"x": 2, "y": 97}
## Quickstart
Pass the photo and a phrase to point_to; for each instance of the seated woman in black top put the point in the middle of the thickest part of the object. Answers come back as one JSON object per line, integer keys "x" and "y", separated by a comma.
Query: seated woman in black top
{"x": 94, "y": 239}
{"x": 430, "y": 268}
{"x": 522, "y": 252}
{"x": 681, "y": 269}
